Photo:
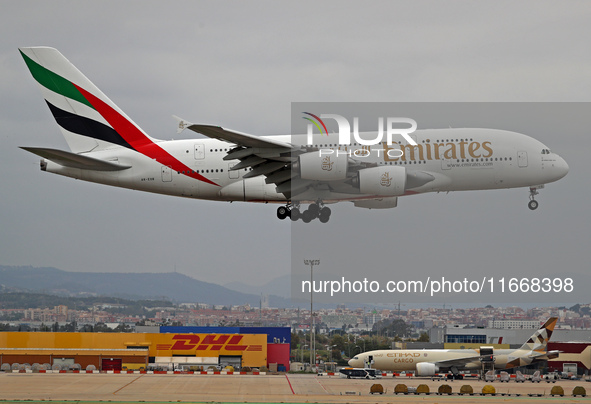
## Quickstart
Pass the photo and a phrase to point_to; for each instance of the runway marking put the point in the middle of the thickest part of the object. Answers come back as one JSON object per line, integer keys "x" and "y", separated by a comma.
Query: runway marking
{"x": 289, "y": 384}
{"x": 316, "y": 377}
{"x": 117, "y": 391}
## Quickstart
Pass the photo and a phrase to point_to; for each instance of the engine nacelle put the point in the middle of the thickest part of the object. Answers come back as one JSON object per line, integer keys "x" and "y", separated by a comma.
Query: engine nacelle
{"x": 384, "y": 180}
{"x": 323, "y": 167}
{"x": 381, "y": 203}
{"x": 427, "y": 369}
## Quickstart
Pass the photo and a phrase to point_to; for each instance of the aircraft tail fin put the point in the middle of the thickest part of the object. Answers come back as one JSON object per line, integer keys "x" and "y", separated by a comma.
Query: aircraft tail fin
{"x": 539, "y": 340}
{"x": 88, "y": 119}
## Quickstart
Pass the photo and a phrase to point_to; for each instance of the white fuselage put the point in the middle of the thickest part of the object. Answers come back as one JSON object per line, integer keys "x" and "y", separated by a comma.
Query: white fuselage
{"x": 407, "y": 359}
{"x": 458, "y": 159}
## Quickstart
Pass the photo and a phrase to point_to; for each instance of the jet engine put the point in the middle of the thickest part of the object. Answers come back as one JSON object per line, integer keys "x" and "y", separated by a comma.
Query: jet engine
{"x": 427, "y": 369}
{"x": 318, "y": 166}
{"x": 383, "y": 180}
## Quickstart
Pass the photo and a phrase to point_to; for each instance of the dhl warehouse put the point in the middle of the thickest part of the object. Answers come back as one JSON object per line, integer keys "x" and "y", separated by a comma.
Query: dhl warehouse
{"x": 173, "y": 347}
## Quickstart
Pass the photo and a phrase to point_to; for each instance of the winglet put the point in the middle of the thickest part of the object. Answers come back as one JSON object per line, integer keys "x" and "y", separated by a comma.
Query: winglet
{"x": 181, "y": 124}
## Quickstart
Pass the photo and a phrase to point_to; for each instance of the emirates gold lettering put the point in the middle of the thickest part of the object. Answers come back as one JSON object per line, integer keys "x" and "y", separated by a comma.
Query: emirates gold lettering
{"x": 438, "y": 151}
{"x": 409, "y": 150}
{"x": 472, "y": 148}
{"x": 486, "y": 146}
{"x": 451, "y": 152}
{"x": 421, "y": 152}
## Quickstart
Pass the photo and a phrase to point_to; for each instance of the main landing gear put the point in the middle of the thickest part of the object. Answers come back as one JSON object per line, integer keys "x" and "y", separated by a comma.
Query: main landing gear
{"x": 315, "y": 210}
{"x": 454, "y": 376}
{"x": 533, "y": 204}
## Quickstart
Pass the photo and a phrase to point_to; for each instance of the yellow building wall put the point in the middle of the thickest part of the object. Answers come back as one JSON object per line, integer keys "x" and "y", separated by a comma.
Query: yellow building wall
{"x": 252, "y": 347}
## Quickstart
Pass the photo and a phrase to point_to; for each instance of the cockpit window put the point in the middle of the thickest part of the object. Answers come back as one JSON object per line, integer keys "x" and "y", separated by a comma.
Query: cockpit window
{"x": 356, "y": 358}
{"x": 545, "y": 151}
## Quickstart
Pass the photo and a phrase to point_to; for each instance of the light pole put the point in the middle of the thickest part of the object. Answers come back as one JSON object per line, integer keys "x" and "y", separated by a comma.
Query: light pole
{"x": 302, "y": 353}
{"x": 330, "y": 347}
{"x": 349, "y": 343}
{"x": 312, "y": 331}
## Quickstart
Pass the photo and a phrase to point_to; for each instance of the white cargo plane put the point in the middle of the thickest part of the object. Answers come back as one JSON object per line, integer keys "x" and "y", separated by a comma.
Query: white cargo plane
{"x": 107, "y": 147}
{"x": 428, "y": 362}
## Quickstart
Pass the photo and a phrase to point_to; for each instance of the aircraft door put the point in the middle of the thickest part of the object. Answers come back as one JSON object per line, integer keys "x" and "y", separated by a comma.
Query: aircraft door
{"x": 232, "y": 174}
{"x": 166, "y": 174}
{"x": 522, "y": 159}
{"x": 199, "y": 151}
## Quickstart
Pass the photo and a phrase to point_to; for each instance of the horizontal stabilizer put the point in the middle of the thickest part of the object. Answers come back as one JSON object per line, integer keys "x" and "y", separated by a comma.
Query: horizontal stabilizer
{"x": 73, "y": 160}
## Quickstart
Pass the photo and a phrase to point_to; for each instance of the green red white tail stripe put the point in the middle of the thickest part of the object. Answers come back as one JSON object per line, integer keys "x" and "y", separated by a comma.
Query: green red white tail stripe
{"x": 89, "y": 120}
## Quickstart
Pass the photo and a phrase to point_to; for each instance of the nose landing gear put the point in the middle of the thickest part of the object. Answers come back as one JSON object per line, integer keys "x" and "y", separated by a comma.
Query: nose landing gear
{"x": 533, "y": 204}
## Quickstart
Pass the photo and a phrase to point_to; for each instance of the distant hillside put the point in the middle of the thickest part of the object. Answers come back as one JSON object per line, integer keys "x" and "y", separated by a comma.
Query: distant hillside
{"x": 19, "y": 300}
{"x": 280, "y": 286}
{"x": 169, "y": 286}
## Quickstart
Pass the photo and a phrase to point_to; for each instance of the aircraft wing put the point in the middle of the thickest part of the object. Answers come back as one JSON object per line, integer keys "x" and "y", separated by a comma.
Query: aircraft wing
{"x": 238, "y": 138}
{"x": 459, "y": 362}
{"x": 274, "y": 159}
{"x": 263, "y": 156}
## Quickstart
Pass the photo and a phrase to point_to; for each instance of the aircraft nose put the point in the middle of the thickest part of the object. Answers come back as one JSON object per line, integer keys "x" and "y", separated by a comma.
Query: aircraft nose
{"x": 561, "y": 167}
{"x": 354, "y": 363}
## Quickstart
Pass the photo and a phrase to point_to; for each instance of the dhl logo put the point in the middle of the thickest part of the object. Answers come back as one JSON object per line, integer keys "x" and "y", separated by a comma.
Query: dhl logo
{"x": 209, "y": 342}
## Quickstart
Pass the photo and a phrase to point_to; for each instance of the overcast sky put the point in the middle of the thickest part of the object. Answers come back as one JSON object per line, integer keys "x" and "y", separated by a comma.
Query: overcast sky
{"x": 240, "y": 65}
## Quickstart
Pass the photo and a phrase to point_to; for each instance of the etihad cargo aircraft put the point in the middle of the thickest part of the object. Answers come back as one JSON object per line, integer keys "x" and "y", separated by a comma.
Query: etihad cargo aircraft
{"x": 107, "y": 147}
{"x": 428, "y": 362}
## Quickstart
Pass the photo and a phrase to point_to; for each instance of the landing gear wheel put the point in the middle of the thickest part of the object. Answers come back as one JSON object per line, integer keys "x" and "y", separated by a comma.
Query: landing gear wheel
{"x": 295, "y": 214}
{"x": 307, "y": 216}
{"x": 314, "y": 209}
{"x": 324, "y": 215}
{"x": 282, "y": 212}
{"x": 533, "y": 204}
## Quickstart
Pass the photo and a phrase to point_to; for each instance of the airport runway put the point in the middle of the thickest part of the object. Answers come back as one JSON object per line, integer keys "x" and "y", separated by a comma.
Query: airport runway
{"x": 253, "y": 389}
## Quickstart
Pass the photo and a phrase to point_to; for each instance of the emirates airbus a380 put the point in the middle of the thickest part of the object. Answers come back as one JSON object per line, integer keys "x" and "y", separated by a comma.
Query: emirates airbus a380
{"x": 107, "y": 147}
